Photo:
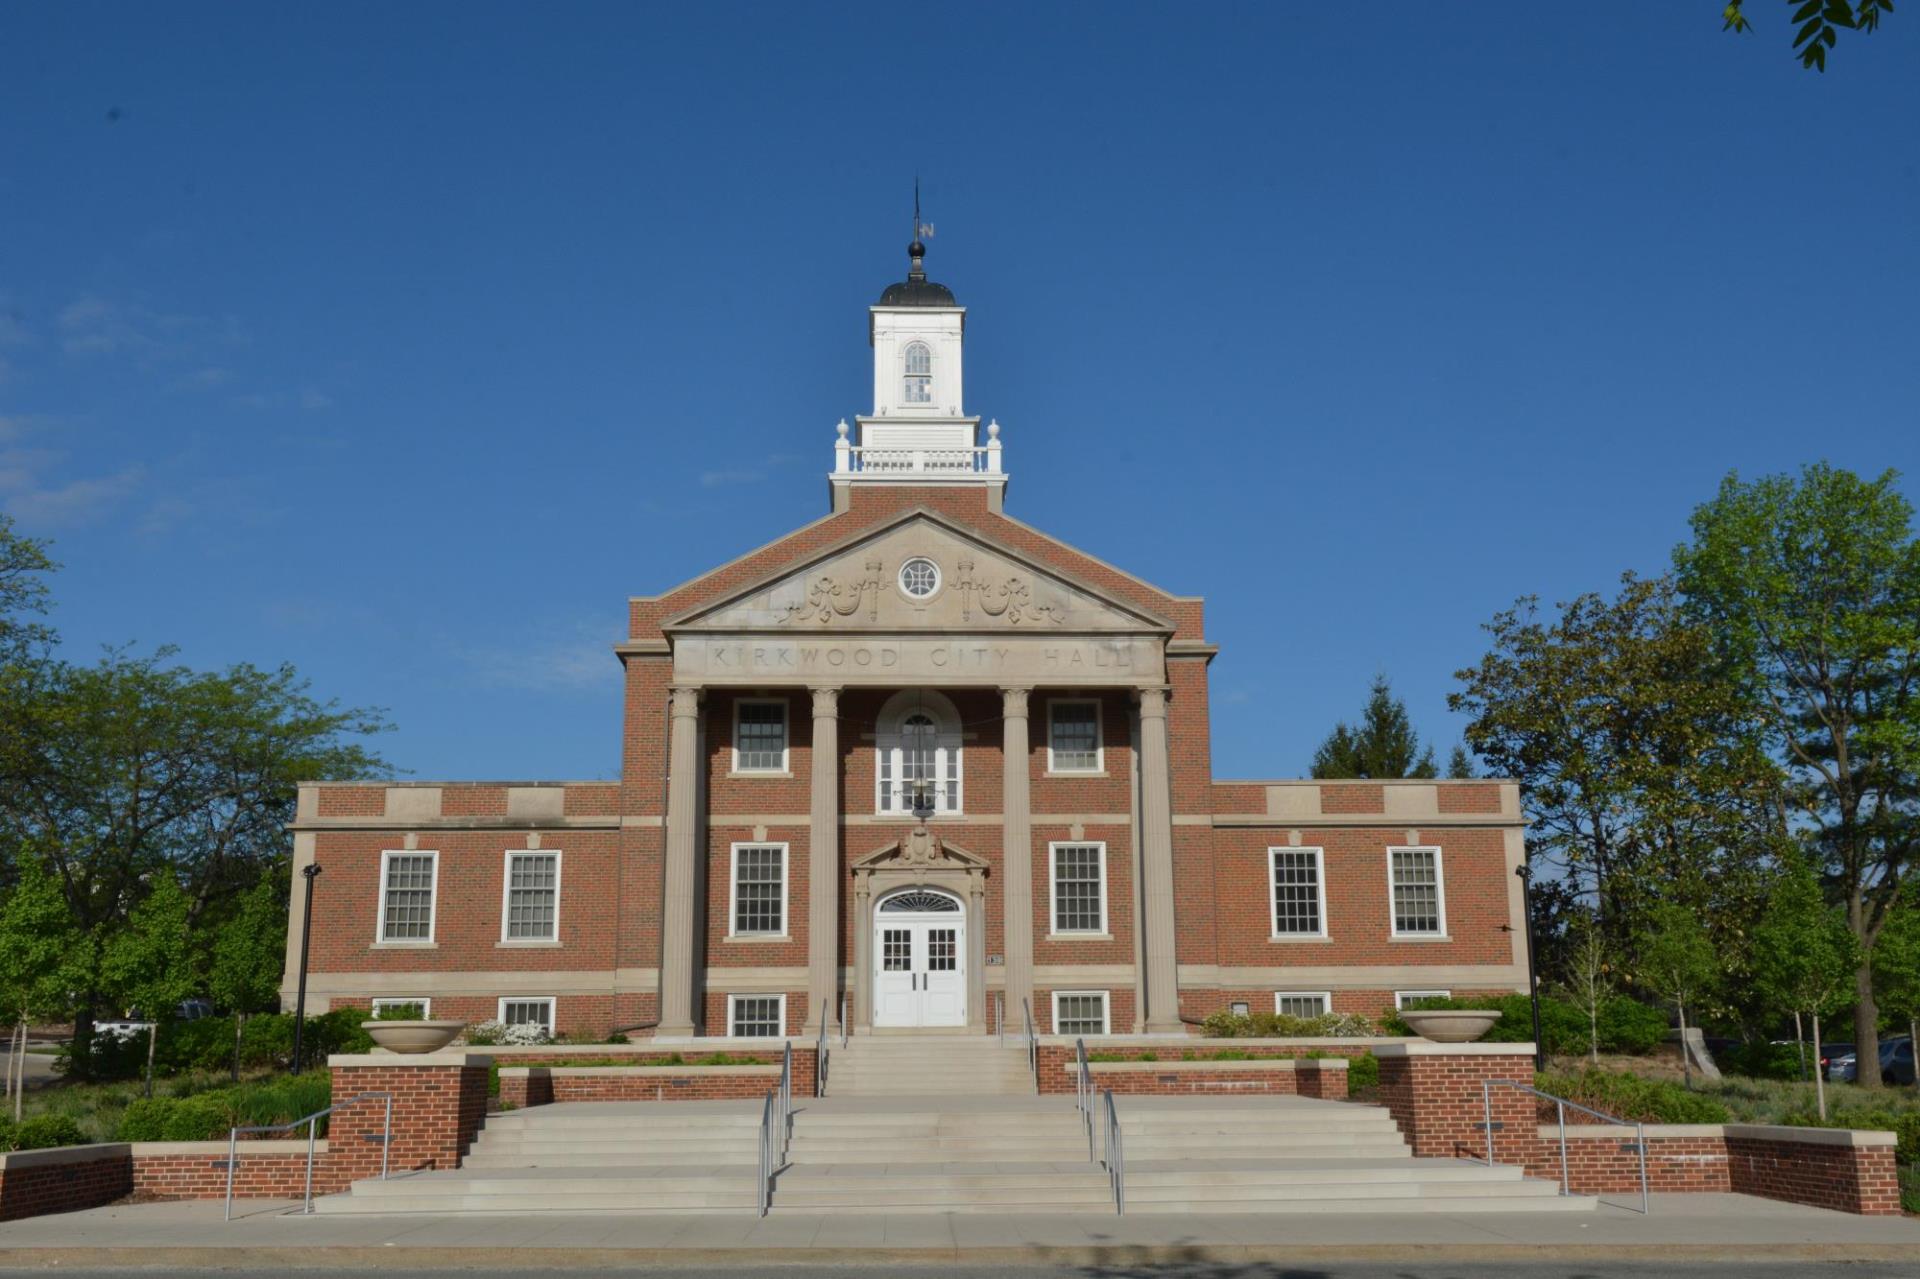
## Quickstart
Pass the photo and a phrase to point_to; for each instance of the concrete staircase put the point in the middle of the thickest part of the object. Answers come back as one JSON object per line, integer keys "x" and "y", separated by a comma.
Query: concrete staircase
{"x": 882, "y": 1065}
{"x": 678, "y": 1157}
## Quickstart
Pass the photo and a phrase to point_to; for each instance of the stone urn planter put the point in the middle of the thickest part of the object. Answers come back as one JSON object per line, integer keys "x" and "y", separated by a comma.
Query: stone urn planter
{"x": 1451, "y": 1025}
{"x": 413, "y": 1036}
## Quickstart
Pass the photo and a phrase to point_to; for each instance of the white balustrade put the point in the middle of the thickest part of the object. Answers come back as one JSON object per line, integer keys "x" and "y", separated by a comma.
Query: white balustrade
{"x": 893, "y": 460}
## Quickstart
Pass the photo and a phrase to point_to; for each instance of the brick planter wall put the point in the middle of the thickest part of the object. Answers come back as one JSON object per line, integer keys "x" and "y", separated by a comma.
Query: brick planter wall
{"x": 34, "y": 1182}
{"x": 439, "y": 1103}
{"x": 1275, "y": 1076}
{"x": 1434, "y": 1092}
{"x": 1825, "y": 1167}
{"x": 198, "y": 1170}
{"x": 1057, "y": 1057}
{"x": 538, "y": 1085}
{"x": 1601, "y": 1159}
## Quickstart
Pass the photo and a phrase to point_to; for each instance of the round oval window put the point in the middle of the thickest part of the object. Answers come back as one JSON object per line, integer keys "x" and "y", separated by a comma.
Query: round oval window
{"x": 919, "y": 578}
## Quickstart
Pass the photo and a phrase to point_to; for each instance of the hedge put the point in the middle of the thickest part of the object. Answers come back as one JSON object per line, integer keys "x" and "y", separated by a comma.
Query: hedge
{"x": 42, "y": 1132}
{"x": 1629, "y": 1097}
{"x": 204, "y": 1116}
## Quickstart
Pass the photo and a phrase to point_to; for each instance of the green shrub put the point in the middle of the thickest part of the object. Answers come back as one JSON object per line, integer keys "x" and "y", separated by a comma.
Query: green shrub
{"x": 1625, "y": 1025}
{"x": 1767, "y": 1061}
{"x": 1904, "y": 1125}
{"x": 400, "y": 1012}
{"x": 196, "y": 1119}
{"x": 1630, "y": 1097}
{"x": 1363, "y": 1072}
{"x": 43, "y": 1132}
{"x": 145, "y": 1119}
{"x": 1230, "y": 1025}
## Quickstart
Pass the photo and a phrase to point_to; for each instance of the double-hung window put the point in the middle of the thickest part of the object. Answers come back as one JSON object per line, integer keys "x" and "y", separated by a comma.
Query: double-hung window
{"x": 1080, "y": 1012}
{"x": 530, "y": 911}
{"x": 1079, "y": 887}
{"x": 759, "y": 899}
{"x": 1418, "y": 889}
{"x": 756, "y": 1016}
{"x": 759, "y": 736}
{"x": 1299, "y": 891}
{"x": 1073, "y": 736}
{"x": 407, "y": 881}
{"x": 528, "y": 1012}
{"x": 1302, "y": 1003}
{"x": 1403, "y": 999}
{"x": 413, "y": 1009}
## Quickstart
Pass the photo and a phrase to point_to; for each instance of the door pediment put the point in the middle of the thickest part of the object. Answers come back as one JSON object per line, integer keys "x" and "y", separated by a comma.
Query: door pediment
{"x": 917, "y": 852}
{"x": 978, "y": 588}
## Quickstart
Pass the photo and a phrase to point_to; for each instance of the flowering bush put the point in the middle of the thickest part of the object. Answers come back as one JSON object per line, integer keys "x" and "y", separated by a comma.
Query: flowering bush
{"x": 494, "y": 1032}
{"x": 1227, "y": 1025}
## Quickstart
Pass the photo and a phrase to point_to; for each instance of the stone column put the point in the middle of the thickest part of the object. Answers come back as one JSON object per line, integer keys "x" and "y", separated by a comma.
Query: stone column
{"x": 823, "y": 865}
{"x": 679, "y": 909}
{"x": 1156, "y": 857}
{"x": 1017, "y": 856}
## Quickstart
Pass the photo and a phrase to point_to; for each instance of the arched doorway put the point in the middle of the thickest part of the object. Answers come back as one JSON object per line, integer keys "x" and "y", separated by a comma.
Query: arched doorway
{"x": 919, "y": 959}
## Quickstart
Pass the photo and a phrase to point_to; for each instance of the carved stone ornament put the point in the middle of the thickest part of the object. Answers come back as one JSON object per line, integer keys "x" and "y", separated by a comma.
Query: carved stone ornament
{"x": 1011, "y": 599}
{"x": 828, "y": 598}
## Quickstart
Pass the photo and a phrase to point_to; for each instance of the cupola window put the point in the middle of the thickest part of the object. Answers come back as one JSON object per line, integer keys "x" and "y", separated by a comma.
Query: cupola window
{"x": 919, "y": 383}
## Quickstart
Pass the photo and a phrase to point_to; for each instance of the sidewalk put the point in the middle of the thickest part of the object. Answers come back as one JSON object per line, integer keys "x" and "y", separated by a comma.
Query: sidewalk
{"x": 191, "y": 1234}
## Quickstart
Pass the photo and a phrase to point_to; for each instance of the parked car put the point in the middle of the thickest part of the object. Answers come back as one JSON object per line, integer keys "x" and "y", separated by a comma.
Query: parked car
{"x": 134, "y": 1023}
{"x": 1837, "y": 1057}
{"x": 1896, "y": 1063}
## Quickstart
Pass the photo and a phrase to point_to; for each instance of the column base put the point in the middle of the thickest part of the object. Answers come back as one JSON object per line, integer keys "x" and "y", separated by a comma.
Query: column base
{"x": 674, "y": 1030}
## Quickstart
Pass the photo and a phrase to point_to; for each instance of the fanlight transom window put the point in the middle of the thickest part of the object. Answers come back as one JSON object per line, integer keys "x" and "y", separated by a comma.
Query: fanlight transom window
{"x": 919, "y": 755}
{"x": 919, "y": 379}
{"x": 919, "y": 900}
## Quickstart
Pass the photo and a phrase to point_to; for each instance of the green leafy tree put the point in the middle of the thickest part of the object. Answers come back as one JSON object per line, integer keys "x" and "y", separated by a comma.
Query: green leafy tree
{"x": 132, "y": 770}
{"x": 1804, "y": 956}
{"x": 1811, "y": 589}
{"x": 1383, "y": 744}
{"x": 24, "y": 567}
{"x": 1817, "y": 24}
{"x": 149, "y": 963}
{"x": 1896, "y": 963}
{"x": 1589, "y": 975}
{"x": 248, "y": 956}
{"x": 41, "y": 955}
{"x": 1460, "y": 764}
{"x": 1677, "y": 963}
{"x": 1643, "y": 775}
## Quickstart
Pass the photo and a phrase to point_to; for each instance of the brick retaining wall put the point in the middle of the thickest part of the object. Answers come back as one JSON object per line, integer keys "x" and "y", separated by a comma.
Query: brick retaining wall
{"x": 539, "y": 1085}
{"x": 1274, "y": 1076}
{"x": 439, "y": 1103}
{"x": 1057, "y": 1057}
{"x": 198, "y": 1170}
{"x": 35, "y": 1182}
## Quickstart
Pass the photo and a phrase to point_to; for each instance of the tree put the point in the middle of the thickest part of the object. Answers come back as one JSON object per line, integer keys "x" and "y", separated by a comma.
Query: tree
{"x": 1382, "y": 745}
{"x": 1896, "y": 963}
{"x": 1589, "y": 981}
{"x": 149, "y": 963}
{"x": 1804, "y": 956}
{"x": 248, "y": 956}
{"x": 1677, "y": 963}
{"x": 132, "y": 771}
{"x": 1811, "y": 589}
{"x": 1643, "y": 776}
{"x": 1460, "y": 764}
{"x": 23, "y": 593}
{"x": 1819, "y": 23}
{"x": 41, "y": 955}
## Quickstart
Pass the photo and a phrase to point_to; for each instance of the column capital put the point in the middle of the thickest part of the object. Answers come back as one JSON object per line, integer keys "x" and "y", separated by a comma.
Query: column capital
{"x": 1152, "y": 699}
{"x": 826, "y": 703}
{"x": 1013, "y": 701}
{"x": 686, "y": 699}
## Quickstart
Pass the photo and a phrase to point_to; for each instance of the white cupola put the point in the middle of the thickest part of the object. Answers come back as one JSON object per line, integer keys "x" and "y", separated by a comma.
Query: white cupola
{"x": 918, "y": 432}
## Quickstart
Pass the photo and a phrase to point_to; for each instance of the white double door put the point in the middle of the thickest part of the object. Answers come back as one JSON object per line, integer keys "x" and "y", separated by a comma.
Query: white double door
{"x": 920, "y": 970}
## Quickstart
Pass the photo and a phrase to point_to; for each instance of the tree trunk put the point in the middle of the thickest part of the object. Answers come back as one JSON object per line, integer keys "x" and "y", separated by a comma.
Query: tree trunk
{"x": 1800, "y": 1046}
{"x": 153, "y": 1034}
{"x": 18, "y": 1073}
{"x": 1913, "y": 1041}
{"x": 1819, "y": 1075}
{"x": 1686, "y": 1061}
{"x": 1866, "y": 1029}
{"x": 237, "y": 1022}
{"x": 1593, "y": 1030}
{"x": 80, "y": 1056}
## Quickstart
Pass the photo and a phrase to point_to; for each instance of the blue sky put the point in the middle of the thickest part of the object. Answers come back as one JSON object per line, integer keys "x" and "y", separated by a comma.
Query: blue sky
{"x": 404, "y": 343}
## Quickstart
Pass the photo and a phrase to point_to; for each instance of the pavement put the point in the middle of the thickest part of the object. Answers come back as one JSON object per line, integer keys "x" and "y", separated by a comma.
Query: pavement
{"x": 271, "y": 1235}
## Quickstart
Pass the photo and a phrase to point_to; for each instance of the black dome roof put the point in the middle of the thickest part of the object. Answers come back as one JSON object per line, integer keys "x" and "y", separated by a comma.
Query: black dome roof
{"x": 917, "y": 289}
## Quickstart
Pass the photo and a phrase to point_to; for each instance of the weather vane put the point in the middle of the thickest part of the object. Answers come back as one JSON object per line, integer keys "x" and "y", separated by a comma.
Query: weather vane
{"x": 920, "y": 228}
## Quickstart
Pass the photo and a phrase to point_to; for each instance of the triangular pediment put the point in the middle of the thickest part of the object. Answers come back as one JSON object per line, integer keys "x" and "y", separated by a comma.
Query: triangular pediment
{"x": 920, "y": 849}
{"x": 975, "y": 586}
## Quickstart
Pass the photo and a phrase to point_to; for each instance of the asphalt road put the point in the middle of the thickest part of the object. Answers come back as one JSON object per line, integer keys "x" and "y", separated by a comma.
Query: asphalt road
{"x": 1206, "y": 1270}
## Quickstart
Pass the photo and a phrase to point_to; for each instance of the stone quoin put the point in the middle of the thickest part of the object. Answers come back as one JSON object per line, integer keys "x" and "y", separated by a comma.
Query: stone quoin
{"x": 923, "y": 762}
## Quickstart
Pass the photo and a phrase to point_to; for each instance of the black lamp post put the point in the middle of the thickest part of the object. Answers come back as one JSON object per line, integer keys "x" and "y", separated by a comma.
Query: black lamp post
{"x": 1525, "y": 872}
{"x": 308, "y": 873}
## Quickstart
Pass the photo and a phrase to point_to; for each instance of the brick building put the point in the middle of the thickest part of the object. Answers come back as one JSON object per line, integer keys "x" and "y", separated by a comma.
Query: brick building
{"x": 923, "y": 762}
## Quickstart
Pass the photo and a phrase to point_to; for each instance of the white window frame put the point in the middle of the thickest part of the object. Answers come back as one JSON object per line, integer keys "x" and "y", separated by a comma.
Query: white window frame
{"x": 786, "y": 890}
{"x": 889, "y": 756}
{"x": 1324, "y": 996}
{"x": 1402, "y": 997}
{"x": 734, "y": 998}
{"x": 1106, "y": 1009}
{"x": 907, "y": 373}
{"x": 786, "y": 737}
{"x": 552, "y": 1003}
{"x": 424, "y": 1003}
{"x": 1053, "y": 892}
{"x": 433, "y": 899}
{"x": 1099, "y": 768}
{"x": 1273, "y": 893}
{"x": 506, "y": 895}
{"x": 1439, "y": 893}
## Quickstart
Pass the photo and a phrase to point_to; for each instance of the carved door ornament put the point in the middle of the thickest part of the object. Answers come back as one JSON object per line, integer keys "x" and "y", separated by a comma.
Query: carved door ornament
{"x": 828, "y": 598}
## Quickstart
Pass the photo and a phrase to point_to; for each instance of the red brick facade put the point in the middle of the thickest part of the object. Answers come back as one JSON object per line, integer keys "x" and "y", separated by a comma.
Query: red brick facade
{"x": 36, "y": 1182}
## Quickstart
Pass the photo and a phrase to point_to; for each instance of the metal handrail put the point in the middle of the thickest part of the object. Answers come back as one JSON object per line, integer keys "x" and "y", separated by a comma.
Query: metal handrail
{"x": 1083, "y": 1092}
{"x": 1115, "y": 1156}
{"x": 1639, "y": 1129}
{"x": 775, "y": 1137}
{"x": 820, "y": 1062}
{"x": 1000, "y": 1017}
{"x": 765, "y": 1192}
{"x": 845, "y": 1028}
{"x": 312, "y": 1122}
{"x": 1033, "y": 1044}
